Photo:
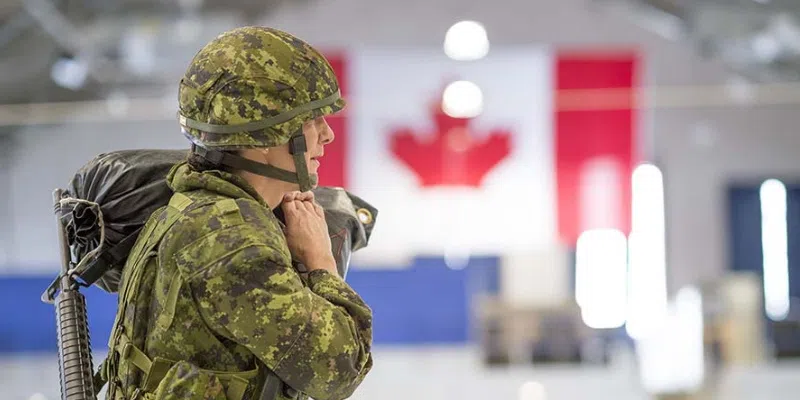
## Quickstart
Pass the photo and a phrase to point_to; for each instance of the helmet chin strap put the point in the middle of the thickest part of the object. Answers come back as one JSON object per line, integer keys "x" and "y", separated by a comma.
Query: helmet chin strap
{"x": 297, "y": 147}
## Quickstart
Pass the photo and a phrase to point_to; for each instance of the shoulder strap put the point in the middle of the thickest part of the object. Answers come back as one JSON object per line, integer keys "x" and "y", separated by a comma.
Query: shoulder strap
{"x": 152, "y": 233}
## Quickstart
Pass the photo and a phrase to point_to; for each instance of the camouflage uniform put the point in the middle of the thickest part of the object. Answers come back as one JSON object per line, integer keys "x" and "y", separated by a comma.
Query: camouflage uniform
{"x": 210, "y": 305}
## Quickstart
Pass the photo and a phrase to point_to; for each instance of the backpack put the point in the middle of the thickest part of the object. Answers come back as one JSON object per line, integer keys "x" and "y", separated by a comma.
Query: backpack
{"x": 112, "y": 196}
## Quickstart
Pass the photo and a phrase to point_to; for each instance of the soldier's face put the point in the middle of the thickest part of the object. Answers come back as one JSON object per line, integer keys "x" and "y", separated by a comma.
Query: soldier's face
{"x": 318, "y": 134}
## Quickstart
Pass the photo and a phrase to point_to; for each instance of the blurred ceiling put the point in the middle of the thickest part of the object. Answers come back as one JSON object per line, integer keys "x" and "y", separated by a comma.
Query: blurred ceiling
{"x": 758, "y": 39}
{"x": 94, "y": 48}
{"x": 61, "y": 50}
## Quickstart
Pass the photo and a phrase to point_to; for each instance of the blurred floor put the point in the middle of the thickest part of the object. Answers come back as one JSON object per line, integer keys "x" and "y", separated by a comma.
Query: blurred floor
{"x": 442, "y": 373}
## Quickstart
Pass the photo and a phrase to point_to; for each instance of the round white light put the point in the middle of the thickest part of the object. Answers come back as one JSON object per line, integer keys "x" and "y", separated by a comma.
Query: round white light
{"x": 466, "y": 40}
{"x": 462, "y": 99}
{"x": 766, "y": 47}
{"x": 69, "y": 73}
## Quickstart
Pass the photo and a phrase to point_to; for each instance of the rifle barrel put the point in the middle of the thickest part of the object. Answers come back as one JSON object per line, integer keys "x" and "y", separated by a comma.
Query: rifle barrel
{"x": 74, "y": 347}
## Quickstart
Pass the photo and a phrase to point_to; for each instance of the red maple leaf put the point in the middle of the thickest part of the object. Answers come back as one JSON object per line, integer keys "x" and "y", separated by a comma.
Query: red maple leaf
{"x": 451, "y": 156}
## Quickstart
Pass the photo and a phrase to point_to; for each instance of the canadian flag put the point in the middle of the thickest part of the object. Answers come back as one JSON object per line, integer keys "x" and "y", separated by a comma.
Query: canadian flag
{"x": 549, "y": 156}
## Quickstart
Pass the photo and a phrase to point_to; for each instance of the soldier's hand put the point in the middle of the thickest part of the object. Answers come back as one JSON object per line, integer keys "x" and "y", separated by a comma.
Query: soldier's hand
{"x": 307, "y": 231}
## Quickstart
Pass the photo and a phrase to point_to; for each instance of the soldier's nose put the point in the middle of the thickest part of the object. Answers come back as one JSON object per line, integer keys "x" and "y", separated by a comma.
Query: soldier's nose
{"x": 327, "y": 134}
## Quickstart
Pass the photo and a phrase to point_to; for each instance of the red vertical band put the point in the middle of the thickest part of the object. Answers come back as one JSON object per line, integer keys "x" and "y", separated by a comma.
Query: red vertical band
{"x": 332, "y": 171}
{"x": 595, "y": 118}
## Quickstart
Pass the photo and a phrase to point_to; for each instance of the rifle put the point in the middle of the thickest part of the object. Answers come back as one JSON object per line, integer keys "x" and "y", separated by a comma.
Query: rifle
{"x": 74, "y": 351}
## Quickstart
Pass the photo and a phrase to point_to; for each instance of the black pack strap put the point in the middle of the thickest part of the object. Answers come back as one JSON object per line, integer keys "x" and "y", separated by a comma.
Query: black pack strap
{"x": 109, "y": 258}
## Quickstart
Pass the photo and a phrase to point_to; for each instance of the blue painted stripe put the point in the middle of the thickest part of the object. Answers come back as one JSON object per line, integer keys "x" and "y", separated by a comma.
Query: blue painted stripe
{"x": 427, "y": 303}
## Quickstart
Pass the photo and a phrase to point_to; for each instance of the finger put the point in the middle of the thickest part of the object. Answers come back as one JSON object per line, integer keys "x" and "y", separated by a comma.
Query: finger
{"x": 299, "y": 207}
{"x": 289, "y": 207}
{"x": 291, "y": 196}
{"x": 306, "y": 196}
{"x": 308, "y": 206}
{"x": 319, "y": 210}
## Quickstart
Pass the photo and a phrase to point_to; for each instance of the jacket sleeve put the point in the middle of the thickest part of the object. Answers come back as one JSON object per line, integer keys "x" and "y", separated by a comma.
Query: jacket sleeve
{"x": 316, "y": 338}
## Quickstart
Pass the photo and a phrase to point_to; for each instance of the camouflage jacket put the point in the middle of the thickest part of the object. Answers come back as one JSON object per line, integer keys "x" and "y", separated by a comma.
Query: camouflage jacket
{"x": 225, "y": 296}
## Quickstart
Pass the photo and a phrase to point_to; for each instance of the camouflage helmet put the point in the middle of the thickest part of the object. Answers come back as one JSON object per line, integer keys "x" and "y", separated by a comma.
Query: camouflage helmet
{"x": 255, "y": 87}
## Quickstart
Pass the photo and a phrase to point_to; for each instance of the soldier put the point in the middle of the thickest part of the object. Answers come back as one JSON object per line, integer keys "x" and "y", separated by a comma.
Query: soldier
{"x": 210, "y": 305}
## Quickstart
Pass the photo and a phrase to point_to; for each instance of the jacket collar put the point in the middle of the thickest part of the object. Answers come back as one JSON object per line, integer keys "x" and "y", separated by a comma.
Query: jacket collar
{"x": 181, "y": 178}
